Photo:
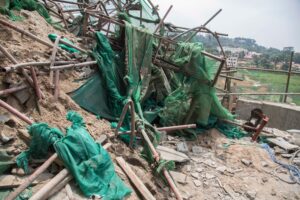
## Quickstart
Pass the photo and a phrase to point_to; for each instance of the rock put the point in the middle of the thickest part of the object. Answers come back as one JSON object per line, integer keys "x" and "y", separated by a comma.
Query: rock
{"x": 179, "y": 177}
{"x": 221, "y": 169}
{"x": 264, "y": 179}
{"x": 18, "y": 171}
{"x": 246, "y": 162}
{"x": 197, "y": 150}
{"x": 195, "y": 175}
{"x": 188, "y": 168}
{"x": 251, "y": 194}
{"x": 264, "y": 164}
{"x": 182, "y": 147}
{"x": 199, "y": 169}
{"x": 273, "y": 192}
{"x": 286, "y": 155}
{"x": 209, "y": 176}
{"x": 197, "y": 183}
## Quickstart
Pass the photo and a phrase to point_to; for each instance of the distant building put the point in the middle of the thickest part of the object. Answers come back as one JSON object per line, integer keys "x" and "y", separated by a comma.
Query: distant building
{"x": 234, "y": 50}
{"x": 250, "y": 54}
{"x": 232, "y": 61}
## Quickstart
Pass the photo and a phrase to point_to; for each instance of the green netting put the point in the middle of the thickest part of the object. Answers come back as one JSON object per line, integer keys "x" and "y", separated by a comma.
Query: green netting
{"x": 31, "y": 5}
{"x": 53, "y": 36}
{"x": 42, "y": 138}
{"x": 193, "y": 91}
{"x": 87, "y": 161}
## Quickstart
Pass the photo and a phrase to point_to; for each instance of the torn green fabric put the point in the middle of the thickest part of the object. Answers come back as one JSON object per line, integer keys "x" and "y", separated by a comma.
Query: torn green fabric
{"x": 42, "y": 138}
{"x": 53, "y": 36}
{"x": 88, "y": 162}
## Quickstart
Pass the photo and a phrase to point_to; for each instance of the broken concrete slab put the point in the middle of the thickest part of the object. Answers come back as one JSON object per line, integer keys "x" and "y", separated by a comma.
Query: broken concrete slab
{"x": 179, "y": 177}
{"x": 182, "y": 147}
{"x": 197, "y": 150}
{"x": 171, "y": 154}
{"x": 283, "y": 144}
{"x": 246, "y": 162}
{"x": 197, "y": 183}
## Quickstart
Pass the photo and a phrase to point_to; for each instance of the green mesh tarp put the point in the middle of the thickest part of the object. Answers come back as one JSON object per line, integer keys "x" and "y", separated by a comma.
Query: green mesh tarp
{"x": 86, "y": 160}
{"x": 193, "y": 91}
{"x": 53, "y": 36}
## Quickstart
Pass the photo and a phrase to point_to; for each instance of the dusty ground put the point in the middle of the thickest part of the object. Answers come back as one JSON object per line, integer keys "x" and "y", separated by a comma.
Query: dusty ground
{"x": 219, "y": 169}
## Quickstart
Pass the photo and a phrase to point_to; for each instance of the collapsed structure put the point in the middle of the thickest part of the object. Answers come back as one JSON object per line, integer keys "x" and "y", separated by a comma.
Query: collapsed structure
{"x": 141, "y": 72}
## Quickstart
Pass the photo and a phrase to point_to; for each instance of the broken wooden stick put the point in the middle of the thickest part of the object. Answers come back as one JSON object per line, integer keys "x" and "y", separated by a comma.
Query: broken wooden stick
{"x": 52, "y": 58}
{"x": 136, "y": 181}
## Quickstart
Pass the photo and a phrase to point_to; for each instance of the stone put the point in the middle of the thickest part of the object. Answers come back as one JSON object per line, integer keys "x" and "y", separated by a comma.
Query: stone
{"x": 209, "y": 176}
{"x": 188, "y": 168}
{"x": 221, "y": 169}
{"x": 182, "y": 147}
{"x": 264, "y": 179}
{"x": 199, "y": 169}
{"x": 246, "y": 162}
{"x": 195, "y": 175}
{"x": 197, "y": 183}
{"x": 273, "y": 192}
{"x": 264, "y": 164}
{"x": 197, "y": 150}
{"x": 251, "y": 194}
{"x": 286, "y": 155}
{"x": 179, "y": 177}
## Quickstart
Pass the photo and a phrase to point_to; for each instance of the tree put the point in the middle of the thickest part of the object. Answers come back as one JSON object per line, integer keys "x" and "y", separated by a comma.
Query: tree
{"x": 256, "y": 60}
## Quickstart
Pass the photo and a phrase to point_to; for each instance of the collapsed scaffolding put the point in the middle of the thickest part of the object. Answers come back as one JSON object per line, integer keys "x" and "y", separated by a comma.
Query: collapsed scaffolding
{"x": 145, "y": 65}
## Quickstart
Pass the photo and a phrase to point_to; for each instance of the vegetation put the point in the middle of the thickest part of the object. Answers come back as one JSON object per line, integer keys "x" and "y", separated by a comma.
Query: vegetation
{"x": 273, "y": 82}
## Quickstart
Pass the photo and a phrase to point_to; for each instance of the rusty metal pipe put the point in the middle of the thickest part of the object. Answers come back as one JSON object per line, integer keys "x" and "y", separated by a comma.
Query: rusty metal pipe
{"x": 74, "y": 65}
{"x": 31, "y": 178}
{"x": 12, "y": 90}
{"x": 33, "y": 64}
{"x": 15, "y": 112}
{"x": 168, "y": 128}
{"x": 172, "y": 185}
{"x": 36, "y": 84}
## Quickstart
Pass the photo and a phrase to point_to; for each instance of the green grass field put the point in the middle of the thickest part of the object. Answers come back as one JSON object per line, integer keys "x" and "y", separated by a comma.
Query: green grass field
{"x": 274, "y": 82}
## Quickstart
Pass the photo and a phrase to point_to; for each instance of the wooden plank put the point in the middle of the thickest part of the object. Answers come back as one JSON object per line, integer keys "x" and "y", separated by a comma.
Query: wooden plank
{"x": 135, "y": 179}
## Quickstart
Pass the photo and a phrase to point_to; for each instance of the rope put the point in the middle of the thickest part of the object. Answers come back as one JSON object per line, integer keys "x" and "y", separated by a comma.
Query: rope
{"x": 293, "y": 169}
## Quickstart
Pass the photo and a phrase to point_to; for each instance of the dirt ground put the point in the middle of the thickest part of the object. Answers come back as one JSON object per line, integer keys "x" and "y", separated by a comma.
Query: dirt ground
{"x": 215, "y": 173}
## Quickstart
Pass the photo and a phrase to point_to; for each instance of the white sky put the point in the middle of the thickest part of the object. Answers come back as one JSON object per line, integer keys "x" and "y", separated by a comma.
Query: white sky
{"x": 272, "y": 23}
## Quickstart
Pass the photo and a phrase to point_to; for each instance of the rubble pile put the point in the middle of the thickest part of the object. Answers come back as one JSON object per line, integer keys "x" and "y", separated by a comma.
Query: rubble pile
{"x": 105, "y": 100}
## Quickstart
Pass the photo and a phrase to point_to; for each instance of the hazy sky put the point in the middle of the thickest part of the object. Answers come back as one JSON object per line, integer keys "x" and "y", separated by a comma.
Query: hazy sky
{"x": 272, "y": 23}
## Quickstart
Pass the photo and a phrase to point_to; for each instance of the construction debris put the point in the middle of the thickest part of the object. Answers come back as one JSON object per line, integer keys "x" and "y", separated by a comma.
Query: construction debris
{"x": 121, "y": 61}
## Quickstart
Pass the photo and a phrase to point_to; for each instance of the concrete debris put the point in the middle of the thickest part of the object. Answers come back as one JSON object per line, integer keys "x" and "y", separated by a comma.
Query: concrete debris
{"x": 182, "y": 147}
{"x": 197, "y": 183}
{"x": 197, "y": 150}
{"x": 283, "y": 144}
{"x": 246, "y": 162}
{"x": 171, "y": 154}
{"x": 179, "y": 177}
{"x": 195, "y": 175}
{"x": 251, "y": 195}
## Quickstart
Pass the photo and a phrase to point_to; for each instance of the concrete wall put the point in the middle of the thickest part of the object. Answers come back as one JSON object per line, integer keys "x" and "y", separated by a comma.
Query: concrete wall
{"x": 282, "y": 116}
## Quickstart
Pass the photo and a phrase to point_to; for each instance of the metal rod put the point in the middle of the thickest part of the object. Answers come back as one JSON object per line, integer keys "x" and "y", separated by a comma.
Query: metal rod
{"x": 74, "y": 65}
{"x": 52, "y": 59}
{"x": 31, "y": 178}
{"x": 163, "y": 19}
{"x": 36, "y": 84}
{"x": 15, "y": 112}
{"x": 56, "y": 85}
{"x": 168, "y": 128}
{"x": 289, "y": 76}
{"x": 12, "y": 90}
{"x": 218, "y": 73}
{"x": 20, "y": 65}
{"x": 135, "y": 179}
{"x": 13, "y": 60}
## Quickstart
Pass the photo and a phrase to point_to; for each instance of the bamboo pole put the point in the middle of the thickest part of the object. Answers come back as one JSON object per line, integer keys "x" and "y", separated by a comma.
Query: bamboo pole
{"x": 288, "y": 78}
{"x": 135, "y": 180}
{"x": 52, "y": 58}
{"x": 163, "y": 19}
{"x": 34, "y": 64}
{"x": 74, "y": 65}
{"x": 12, "y": 90}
